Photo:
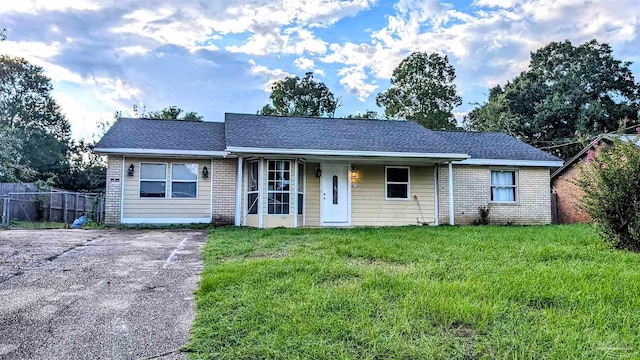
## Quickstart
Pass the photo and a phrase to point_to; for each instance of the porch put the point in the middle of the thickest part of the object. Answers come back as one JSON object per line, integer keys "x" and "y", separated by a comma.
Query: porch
{"x": 276, "y": 191}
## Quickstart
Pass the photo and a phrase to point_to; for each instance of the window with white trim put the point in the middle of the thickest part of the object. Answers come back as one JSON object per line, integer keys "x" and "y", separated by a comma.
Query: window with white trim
{"x": 184, "y": 181}
{"x": 300, "y": 188}
{"x": 252, "y": 187}
{"x": 152, "y": 180}
{"x": 503, "y": 186}
{"x": 279, "y": 186}
{"x": 397, "y": 182}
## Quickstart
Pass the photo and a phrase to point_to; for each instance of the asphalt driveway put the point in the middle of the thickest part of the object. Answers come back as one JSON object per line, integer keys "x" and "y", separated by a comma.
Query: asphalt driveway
{"x": 97, "y": 294}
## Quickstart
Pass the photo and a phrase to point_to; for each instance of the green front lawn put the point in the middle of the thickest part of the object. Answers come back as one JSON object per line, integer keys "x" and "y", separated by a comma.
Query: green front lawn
{"x": 416, "y": 293}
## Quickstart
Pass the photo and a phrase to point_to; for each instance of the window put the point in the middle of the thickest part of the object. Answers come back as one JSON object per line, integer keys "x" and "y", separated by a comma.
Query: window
{"x": 397, "y": 183}
{"x": 184, "y": 180}
{"x": 335, "y": 189}
{"x": 278, "y": 186}
{"x": 153, "y": 180}
{"x": 503, "y": 186}
{"x": 252, "y": 187}
{"x": 300, "y": 188}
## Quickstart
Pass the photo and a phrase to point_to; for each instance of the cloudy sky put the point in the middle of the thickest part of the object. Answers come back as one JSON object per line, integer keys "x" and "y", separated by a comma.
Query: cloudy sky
{"x": 217, "y": 56}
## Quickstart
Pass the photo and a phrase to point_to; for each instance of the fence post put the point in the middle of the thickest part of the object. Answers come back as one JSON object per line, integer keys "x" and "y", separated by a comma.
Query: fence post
{"x": 5, "y": 211}
{"x": 65, "y": 210}
{"x": 76, "y": 207}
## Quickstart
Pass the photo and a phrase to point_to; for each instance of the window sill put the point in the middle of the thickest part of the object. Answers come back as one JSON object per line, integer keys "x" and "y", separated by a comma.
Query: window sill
{"x": 504, "y": 203}
{"x": 397, "y": 199}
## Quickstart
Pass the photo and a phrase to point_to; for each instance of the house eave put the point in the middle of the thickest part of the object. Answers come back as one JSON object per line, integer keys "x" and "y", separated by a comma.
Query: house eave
{"x": 163, "y": 152}
{"x": 510, "y": 162}
{"x": 350, "y": 153}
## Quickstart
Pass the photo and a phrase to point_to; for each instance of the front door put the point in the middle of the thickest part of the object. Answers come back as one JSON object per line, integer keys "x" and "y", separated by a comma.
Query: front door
{"x": 334, "y": 192}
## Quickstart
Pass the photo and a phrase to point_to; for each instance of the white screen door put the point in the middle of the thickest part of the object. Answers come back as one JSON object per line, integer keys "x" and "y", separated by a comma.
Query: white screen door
{"x": 334, "y": 192}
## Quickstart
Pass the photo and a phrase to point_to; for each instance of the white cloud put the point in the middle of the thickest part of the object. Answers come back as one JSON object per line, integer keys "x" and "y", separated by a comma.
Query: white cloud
{"x": 354, "y": 81}
{"x": 133, "y": 50}
{"x": 271, "y": 75}
{"x": 35, "y": 6}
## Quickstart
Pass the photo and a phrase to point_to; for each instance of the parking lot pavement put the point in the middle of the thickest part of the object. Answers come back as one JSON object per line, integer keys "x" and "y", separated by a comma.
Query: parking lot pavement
{"x": 97, "y": 294}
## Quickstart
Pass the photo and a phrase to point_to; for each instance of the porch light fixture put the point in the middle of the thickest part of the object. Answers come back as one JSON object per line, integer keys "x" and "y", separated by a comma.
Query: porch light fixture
{"x": 205, "y": 172}
{"x": 318, "y": 171}
{"x": 354, "y": 173}
{"x": 130, "y": 171}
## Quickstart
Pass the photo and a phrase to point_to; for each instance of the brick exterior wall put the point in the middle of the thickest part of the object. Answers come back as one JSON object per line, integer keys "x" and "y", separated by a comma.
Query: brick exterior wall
{"x": 224, "y": 191}
{"x": 569, "y": 195}
{"x": 113, "y": 196}
{"x": 472, "y": 189}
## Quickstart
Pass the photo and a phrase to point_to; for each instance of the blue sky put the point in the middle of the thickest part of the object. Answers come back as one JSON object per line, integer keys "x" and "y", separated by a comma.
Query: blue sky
{"x": 221, "y": 56}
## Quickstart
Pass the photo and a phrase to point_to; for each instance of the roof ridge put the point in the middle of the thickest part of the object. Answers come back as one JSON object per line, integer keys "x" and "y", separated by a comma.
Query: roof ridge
{"x": 316, "y": 117}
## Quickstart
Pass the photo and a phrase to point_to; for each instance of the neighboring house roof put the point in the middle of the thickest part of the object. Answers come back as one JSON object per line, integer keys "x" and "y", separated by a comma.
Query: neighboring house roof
{"x": 257, "y": 134}
{"x": 609, "y": 138}
{"x": 178, "y": 137}
{"x": 251, "y": 132}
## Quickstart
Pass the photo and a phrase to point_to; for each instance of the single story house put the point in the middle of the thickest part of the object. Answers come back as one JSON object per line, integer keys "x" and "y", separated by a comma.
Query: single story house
{"x": 563, "y": 182}
{"x": 270, "y": 171}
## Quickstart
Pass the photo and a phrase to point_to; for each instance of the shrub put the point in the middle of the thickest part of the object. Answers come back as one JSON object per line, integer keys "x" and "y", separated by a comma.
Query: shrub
{"x": 484, "y": 216}
{"x": 610, "y": 181}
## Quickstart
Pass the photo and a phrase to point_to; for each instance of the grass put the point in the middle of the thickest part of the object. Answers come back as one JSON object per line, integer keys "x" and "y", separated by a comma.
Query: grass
{"x": 36, "y": 225}
{"x": 550, "y": 292}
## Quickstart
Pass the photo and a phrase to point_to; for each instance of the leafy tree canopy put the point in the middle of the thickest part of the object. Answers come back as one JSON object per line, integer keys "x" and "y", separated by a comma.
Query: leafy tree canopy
{"x": 294, "y": 96}
{"x": 367, "y": 114}
{"x": 567, "y": 90}
{"x": 172, "y": 113}
{"x": 422, "y": 90}
{"x": 30, "y": 114}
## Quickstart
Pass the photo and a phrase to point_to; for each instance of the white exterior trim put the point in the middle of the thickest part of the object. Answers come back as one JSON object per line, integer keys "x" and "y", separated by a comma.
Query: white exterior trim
{"x": 435, "y": 195}
{"x": 261, "y": 178}
{"x": 254, "y": 150}
{"x": 295, "y": 195}
{"x": 507, "y": 162}
{"x": 165, "y": 220}
{"x": 386, "y": 183}
{"x": 304, "y": 197}
{"x": 238, "y": 215}
{"x": 451, "y": 212}
{"x": 211, "y": 190}
{"x": 122, "y": 178}
{"x": 159, "y": 152}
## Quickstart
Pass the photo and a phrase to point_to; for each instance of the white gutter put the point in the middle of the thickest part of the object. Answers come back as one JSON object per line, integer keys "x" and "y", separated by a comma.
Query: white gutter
{"x": 507, "y": 162}
{"x": 159, "y": 152}
{"x": 252, "y": 150}
{"x": 238, "y": 193}
{"x": 451, "y": 213}
{"x": 435, "y": 193}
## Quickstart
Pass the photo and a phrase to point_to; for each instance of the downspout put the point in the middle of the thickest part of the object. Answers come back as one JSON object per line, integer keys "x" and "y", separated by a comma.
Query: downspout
{"x": 435, "y": 191}
{"x": 451, "y": 213}
{"x": 295, "y": 194}
{"x": 238, "y": 216}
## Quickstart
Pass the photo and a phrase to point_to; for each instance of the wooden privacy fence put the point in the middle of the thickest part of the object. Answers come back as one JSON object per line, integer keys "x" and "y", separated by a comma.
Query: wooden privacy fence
{"x": 53, "y": 206}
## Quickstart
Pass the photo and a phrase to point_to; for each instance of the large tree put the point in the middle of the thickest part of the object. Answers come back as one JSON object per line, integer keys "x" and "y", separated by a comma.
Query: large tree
{"x": 294, "y": 96}
{"x": 29, "y": 112}
{"x": 568, "y": 91}
{"x": 172, "y": 113}
{"x": 422, "y": 90}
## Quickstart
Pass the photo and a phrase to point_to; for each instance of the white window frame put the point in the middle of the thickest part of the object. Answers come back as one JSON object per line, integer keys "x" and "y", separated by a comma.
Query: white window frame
{"x": 516, "y": 179}
{"x": 408, "y": 183}
{"x": 197, "y": 180}
{"x": 140, "y": 179}
{"x": 301, "y": 187}
{"x": 249, "y": 192}
{"x": 290, "y": 191}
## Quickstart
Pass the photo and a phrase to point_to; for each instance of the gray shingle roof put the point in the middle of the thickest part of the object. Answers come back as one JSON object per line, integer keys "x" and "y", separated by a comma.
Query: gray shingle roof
{"x": 164, "y": 134}
{"x": 492, "y": 145}
{"x": 277, "y": 132}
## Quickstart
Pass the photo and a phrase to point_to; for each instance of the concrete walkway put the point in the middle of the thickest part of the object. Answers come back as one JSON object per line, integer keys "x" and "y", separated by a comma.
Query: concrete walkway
{"x": 96, "y": 294}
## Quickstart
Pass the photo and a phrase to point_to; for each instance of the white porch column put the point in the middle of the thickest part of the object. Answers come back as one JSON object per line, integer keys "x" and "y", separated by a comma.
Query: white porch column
{"x": 295, "y": 194}
{"x": 435, "y": 195}
{"x": 451, "y": 219}
{"x": 260, "y": 193}
{"x": 238, "y": 216}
